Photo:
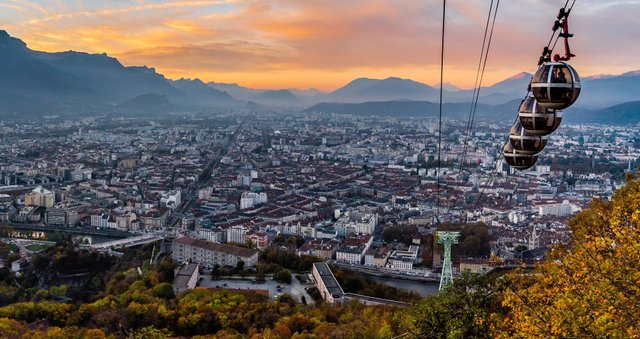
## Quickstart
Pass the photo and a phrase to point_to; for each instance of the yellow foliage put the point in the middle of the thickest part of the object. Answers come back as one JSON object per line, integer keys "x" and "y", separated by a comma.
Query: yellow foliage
{"x": 592, "y": 288}
{"x": 94, "y": 334}
{"x": 10, "y": 328}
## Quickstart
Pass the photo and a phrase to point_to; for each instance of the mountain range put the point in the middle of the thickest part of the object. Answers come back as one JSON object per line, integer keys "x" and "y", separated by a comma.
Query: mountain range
{"x": 41, "y": 83}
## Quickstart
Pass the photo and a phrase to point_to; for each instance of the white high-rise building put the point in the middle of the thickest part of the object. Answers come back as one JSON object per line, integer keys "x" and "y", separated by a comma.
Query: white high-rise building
{"x": 237, "y": 234}
{"x": 356, "y": 222}
{"x": 251, "y": 199}
{"x": 558, "y": 209}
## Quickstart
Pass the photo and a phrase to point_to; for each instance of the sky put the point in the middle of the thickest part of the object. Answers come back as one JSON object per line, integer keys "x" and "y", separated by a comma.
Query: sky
{"x": 326, "y": 43}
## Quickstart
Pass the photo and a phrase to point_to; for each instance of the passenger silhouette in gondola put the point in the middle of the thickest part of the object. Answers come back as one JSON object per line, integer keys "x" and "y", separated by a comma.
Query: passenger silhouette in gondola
{"x": 558, "y": 76}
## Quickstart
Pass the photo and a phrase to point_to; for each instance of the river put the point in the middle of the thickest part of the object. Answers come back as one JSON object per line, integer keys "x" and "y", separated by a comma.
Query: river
{"x": 422, "y": 288}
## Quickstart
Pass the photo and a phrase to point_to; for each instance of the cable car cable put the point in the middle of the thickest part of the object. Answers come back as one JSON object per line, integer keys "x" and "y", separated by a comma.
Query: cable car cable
{"x": 475, "y": 105}
{"x": 547, "y": 50}
{"x": 559, "y": 35}
{"x": 475, "y": 89}
{"x": 444, "y": 12}
{"x": 489, "y": 183}
{"x": 554, "y": 31}
{"x": 484, "y": 54}
{"x": 482, "y": 63}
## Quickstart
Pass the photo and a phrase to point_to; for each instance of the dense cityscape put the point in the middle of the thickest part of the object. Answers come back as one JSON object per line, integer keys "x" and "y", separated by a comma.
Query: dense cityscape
{"x": 341, "y": 184}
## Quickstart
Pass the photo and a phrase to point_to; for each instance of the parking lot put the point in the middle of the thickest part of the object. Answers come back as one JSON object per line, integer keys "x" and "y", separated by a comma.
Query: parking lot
{"x": 295, "y": 289}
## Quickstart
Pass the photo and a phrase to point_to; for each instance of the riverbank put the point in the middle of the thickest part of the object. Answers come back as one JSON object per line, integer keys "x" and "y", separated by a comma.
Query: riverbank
{"x": 384, "y": 272}
{"x": 424, "y": 289}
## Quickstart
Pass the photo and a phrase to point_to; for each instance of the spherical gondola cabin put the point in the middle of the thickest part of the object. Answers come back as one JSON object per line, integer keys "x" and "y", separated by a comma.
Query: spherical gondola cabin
{"x": 536, "y": 119}
{"x": 518, "y": 160}
{"x": 556, "y": 85}
{"x": 524, "y": 142}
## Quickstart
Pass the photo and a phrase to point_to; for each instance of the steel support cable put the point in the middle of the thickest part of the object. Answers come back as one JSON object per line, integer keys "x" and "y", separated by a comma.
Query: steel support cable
{"x": 444, "y": 12}
{"x": 475, "y": 103}
{"x": 558, "y": 37}
{"x": 475, "y": 89}
{"x": 554, "y": 32}
{"x": 489, "y": 183}
{"x": 550, "y": 48}
{"x": 484, "y": 189}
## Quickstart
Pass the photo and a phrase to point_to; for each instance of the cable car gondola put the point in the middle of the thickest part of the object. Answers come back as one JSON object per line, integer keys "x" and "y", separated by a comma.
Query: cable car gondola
{"x": 555, "y": 85}
{"x": 518, "y": 160}
{"x": 525, "y": 143}
{"x": 536, "y": 119}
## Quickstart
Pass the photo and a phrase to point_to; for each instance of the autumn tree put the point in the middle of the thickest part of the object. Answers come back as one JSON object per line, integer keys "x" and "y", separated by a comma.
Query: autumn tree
{"x": 403, "y": 234}
{"x": 150, "y": 332}
{"x": 164, "y": 290}
{"x": 590, "y": 289}
{"x": 283, "y": 275}
{"x": 462, "y": 310}
{"x": 474, "y": 239}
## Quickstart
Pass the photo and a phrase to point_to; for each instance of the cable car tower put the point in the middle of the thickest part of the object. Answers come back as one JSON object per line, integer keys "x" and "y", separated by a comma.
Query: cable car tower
{"x": 447, "y": 239}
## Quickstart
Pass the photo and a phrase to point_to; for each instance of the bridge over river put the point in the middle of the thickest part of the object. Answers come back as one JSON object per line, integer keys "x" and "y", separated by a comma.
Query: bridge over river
{"x": 71, "y": 230}
{"x": 138, "y": 240}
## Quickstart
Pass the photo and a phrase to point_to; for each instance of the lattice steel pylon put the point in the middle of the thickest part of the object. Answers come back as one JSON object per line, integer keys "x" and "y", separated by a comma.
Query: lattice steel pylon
{"x": 447, "y": 239}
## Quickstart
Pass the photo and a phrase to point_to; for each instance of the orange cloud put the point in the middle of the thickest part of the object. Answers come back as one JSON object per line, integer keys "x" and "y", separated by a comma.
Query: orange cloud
{"x": 129, "y": 9}
{"x": 13, "y": 7}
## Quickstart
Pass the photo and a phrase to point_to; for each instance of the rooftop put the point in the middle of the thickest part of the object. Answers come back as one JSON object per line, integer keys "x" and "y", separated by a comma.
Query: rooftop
{"x": 328, "y": 279}
{"x": 233, "y": 250}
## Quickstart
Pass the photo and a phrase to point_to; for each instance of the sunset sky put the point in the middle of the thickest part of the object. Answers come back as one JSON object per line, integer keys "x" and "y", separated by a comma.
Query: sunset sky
{"x": 325, "y": 43}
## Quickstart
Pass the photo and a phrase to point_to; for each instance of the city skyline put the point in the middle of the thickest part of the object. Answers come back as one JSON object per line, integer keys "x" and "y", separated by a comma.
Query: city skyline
{"x": 283, "y": 44}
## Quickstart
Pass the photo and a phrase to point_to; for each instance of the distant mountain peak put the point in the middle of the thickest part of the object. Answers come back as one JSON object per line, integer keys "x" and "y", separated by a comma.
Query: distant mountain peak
{"x": 193, "y": 81}
{"x": 361, "y": 79}
{"x": 201, "y": 94}
{"x": 631, "y": 73}
{"x": 144, "y": 69}
{"x": 597, "y": 76}
{"x": 519, "y": 76}
{"x": 96, "y": 59}
{"x": 276, "y": 96}
{"x": 389, "y": 78}
{"x": 198, "y": 81}
{"x": 7, "y": 41}
{"x": 390, "y": 88}
{"x": 448, "y": 87}
{"x": 225, "y": 84}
